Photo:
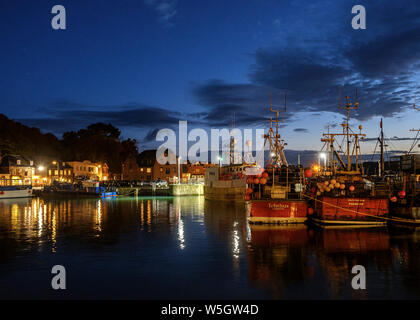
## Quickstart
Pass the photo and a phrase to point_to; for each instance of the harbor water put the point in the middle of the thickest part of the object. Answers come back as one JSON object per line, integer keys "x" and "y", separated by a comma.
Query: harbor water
{"x": 189, "y": 248}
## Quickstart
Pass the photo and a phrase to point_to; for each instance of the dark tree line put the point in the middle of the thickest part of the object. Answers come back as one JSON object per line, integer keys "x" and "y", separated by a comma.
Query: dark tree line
{"x": 99, "y": 142}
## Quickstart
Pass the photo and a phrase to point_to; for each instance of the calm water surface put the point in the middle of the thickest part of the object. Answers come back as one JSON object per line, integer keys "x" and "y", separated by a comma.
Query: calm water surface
{"x": 188, "y": 248}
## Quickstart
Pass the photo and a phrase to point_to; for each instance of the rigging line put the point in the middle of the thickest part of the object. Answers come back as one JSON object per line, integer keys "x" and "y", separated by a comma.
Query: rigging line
{"x": 350, "y": 210}
{"x": 414, "y": 142}
{"x": 374, "y": 151}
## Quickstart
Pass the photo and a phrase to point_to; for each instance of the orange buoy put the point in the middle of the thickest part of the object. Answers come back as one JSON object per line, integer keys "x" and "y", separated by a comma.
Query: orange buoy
{"x": 256, "y": 181}
{"x": 265, "y": 175}
{"x": 326, "y": 183}
{"x": 401, "y": 194}
{"x": 333, "y": 181}
{"x": 393, "y": 199}
{"x": 342, "y": 186}
{"x": 308, "y": 173}
{"x": 351, "y": 188}
{"x": 263, "y": 180}
{"x": 249, "y": 190}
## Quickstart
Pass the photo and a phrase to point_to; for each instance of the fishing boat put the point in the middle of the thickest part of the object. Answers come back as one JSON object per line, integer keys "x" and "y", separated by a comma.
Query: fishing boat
{"x": 14, "y": 189}
{"x": 340, "y": 194}
{"x": 228, "y": 182}
{"x": 276, "y": 194}
{"x": 405, "y": 200}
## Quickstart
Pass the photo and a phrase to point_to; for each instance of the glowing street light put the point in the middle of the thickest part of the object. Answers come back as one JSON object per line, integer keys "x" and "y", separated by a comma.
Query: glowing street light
{"x": 323, "y": 156}
{"x": 41, "y": 168}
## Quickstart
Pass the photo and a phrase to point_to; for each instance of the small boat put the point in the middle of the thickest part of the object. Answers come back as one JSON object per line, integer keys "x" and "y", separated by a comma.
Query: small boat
{"x": 12, "y": 189}
{"x": 276, "y": 194}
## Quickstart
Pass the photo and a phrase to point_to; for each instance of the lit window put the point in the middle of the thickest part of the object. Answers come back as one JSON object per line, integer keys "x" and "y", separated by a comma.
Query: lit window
{"x": 149, "y": 170}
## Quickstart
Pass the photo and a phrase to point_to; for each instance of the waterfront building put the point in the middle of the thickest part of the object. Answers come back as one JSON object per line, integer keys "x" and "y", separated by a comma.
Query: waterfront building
{"x": 17, "y": 168}
{"x": 145, "y": 167}
{"x": 89, "y": 170}
{"x": 58, "y": 171}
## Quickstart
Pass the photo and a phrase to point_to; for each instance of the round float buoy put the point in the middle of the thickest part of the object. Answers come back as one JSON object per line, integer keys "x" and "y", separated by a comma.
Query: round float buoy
{"x": 342, "y": 186}
{"x": 351, "y": 188}
{"x": 326, "y": 183}
{"x": 401, "y": 194}
{"x": 333, "y": 181}
{"x": 393, "y": 199}
{"x": 308, "y": 173}
{"x": 337, "y": 185}
{"x": 265, "y": 175}
{"x": 249, "y": 191}
{"x": 247, "y": 197}
{"x": 256, "y": 181}
{"x": 263, "y": 180}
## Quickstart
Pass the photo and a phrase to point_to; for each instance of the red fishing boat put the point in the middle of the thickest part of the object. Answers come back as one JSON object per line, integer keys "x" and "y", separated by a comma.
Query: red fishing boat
{"x": 341, "y": 193}
{"x": 276, "y": 194}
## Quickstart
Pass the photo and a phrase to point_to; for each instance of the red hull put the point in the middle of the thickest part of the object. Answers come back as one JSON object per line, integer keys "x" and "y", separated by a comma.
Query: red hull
{"x": 277, "y": 211}
{"x": 351, "y": 210}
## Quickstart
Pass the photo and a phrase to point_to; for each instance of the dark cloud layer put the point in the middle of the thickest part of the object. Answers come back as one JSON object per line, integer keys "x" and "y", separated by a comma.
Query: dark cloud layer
{"x": 381, "y": 61}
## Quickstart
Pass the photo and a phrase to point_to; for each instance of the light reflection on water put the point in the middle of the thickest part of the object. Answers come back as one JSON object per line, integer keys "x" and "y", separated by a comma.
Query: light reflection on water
{"x": 187, "y": 247}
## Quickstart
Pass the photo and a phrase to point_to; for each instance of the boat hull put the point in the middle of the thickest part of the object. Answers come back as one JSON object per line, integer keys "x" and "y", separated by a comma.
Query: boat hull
{"x": 235, "y": 194}
{"x": 350, "y": 211}
{"x": 12, "y": 192}
{"x": 277, "y": 211}
{"x": 405, "y": 214}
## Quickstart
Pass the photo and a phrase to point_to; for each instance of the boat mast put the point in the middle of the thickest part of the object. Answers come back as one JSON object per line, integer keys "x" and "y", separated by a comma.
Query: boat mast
{"x": 348, "y": 135}
{"x": 381, "y": 140}
{"x": 346, "y": 126}
{"x": 276, "y": 145}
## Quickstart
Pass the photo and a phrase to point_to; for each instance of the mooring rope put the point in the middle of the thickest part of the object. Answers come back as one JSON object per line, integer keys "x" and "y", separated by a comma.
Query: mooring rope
{"x": 350, "y": 210}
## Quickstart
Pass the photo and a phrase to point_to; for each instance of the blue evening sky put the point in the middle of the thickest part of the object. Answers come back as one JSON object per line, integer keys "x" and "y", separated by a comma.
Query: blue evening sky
{"x": 142, "y": 65}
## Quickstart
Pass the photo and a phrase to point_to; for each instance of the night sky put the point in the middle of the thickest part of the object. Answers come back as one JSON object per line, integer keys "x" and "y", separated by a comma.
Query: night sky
{"x": 143, "y": 65}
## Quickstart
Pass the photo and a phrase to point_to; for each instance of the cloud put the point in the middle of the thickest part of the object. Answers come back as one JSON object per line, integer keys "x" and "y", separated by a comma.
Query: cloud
{"x": 249, "y": 104}
{"x": 390, "y": 139}
{"x": 381, "y": 61}
{"x": 165, "y": 9}
{"x": 60, "y": 120}
{"x": 301, "y": 130}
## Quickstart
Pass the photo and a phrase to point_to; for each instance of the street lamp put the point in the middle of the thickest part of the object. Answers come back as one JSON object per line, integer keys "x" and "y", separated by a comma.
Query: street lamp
{"x": 41, "y": 168}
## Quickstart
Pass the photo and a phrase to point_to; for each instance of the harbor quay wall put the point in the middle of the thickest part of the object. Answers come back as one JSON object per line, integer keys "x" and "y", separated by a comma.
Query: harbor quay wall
{"x": 172, "y": 190}
{"x": 187, "y": 189}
